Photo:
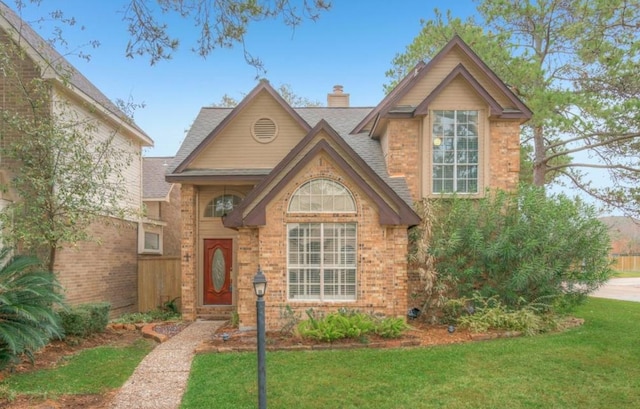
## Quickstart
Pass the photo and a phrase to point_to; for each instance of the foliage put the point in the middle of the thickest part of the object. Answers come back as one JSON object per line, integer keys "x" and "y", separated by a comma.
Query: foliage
{"x": 221, "y": 24}
{"x": 390, "y": 327}
{"x": 574, "y": 63}
{"x": 291, "y": 319}
{"x": 348, "y": 324}
{"x": 149, "y": 316}
{"x": 522, "y": 247}
{"x": 602, "y": 353}
{"x": 109, "y": 367}
{"x": 85, "y": 319}
{"x": 27, "y": 300}
{"x": 490, "y": 313}
{"x": 285, "y": 92}
{"x": 66, "y": 165}
{"x": 171, "y": 306}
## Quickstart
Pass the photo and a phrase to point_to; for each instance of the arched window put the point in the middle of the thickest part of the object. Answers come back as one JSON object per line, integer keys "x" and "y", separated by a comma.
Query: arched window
{"x": 221, "y": 205}
{"x": 322, "y": 196}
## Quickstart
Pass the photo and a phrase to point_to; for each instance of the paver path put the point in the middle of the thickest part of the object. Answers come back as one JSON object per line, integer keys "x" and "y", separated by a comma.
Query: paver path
{"x": 161, "y": 378}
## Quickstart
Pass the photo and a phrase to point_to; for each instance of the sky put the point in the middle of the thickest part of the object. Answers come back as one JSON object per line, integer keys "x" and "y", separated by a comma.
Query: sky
{"x": 353, "y": 45}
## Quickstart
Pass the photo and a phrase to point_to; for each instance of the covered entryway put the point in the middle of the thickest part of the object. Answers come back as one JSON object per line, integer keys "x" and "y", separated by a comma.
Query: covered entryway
{"x": 217, "y": 272}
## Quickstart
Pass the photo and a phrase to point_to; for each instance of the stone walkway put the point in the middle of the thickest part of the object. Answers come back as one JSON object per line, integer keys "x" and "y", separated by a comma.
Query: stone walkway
{"x": 161, "y": 378}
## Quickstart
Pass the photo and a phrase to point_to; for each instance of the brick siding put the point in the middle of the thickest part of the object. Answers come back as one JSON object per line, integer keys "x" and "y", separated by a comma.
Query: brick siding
{"x": 104, "y": 269}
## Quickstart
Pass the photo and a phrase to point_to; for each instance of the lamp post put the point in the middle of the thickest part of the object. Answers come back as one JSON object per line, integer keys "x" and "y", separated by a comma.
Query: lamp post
{"x": 260, "y": 288}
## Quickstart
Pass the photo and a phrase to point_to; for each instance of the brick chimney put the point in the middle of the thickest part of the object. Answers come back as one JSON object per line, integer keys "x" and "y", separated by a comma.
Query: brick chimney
{"x": 337, "y": 98}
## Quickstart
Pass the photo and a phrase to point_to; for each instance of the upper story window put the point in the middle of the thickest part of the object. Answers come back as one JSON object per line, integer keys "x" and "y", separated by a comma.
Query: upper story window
{"x": 455, "y": 152}
{"x": 322, "y": 196}
{"x": 221, "y": 205}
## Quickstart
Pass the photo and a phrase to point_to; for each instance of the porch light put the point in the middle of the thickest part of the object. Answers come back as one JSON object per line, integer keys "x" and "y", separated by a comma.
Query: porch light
{"x": 259, "y": 283}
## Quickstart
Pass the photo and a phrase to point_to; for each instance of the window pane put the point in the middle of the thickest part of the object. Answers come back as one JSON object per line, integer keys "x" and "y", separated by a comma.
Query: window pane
{"x": 322, "y": 261}
{"x": 458, "y": 150}
{"x": 151, "y": 241}
{"x": 322, "y": 196}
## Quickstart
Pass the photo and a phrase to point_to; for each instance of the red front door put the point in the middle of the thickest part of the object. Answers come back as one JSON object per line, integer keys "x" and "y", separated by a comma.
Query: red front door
{"x": 217, "y": 271}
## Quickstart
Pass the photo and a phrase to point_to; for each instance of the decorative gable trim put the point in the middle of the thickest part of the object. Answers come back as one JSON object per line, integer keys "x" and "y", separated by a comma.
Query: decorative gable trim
{"x": 252, "y": 211}
{"x": 460, "y": 70}
{"x": 390, "y": 101}
{"x": 263, "y": 86}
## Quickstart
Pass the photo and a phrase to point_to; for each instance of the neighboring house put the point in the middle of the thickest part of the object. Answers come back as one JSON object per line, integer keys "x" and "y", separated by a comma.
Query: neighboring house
{"x": 160, "y": 232}
{"x": 104, "y": 269}
{"x": 624, "y": 233}
{"x": 321, "y": 199}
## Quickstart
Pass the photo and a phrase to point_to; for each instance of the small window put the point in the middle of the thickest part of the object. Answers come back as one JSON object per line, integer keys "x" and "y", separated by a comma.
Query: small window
{"x": 221, "y": 206}
{"x": 149, "y": 238}
{"x": 264, "y": 130}
{"x": 322, "y": 196}
{"x": 151, "y": 241}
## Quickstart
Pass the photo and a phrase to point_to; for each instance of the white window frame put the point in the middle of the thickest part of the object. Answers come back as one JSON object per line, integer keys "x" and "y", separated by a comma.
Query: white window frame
{"x": 148, "y": 228}
{"x": 440, "y": 139}
{"x": 342, "y": 261}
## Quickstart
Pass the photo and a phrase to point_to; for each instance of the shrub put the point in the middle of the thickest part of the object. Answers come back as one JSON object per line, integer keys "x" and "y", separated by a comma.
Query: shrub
{"x": 490, "y": 313}
{"x": 348, "y": 324}
{"x": 28, "y": 297}
{"x": 518, "y": 246}
{"x": 149, "y": 316}
{"x": 86, "y": 319}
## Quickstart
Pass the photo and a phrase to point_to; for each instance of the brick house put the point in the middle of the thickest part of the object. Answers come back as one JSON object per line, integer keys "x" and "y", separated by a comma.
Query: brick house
{"x": 104, "y": 269}
{"x": 321, "y": 199}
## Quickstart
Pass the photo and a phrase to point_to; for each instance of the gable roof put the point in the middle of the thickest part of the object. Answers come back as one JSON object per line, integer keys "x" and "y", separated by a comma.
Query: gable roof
{"x": 518, "y": 111}
{"x": 263, "y": 86}
{"x": 154, "y": 185}
{"x": 393, "y": 210}
{"x": 59, "y": 68}
{"x": 342, "y": 120}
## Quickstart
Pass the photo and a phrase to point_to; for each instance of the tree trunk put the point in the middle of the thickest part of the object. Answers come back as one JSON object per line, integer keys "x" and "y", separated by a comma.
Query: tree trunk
{"x": 539, "y": 161}
{"x": 52, "y": 259}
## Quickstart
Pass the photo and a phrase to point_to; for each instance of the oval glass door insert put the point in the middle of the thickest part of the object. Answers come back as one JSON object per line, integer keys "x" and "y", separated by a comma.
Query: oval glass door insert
{"x": 217, "y": 270}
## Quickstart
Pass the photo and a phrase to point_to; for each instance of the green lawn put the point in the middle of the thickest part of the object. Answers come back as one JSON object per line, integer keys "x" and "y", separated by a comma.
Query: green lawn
{"x": 91, "y": 371}
{"x": 626, "y": 274}
{"x": 594, "y": 366}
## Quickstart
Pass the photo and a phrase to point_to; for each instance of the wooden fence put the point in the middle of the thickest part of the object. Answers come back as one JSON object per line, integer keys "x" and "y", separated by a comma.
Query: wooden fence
{"x": 158, "y": 282}
{"x": 626, "y": 263}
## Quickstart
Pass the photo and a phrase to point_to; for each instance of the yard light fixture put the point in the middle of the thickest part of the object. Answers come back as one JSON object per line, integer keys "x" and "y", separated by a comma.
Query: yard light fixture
{"x": 259, "y": 283}
{"x": 260, "y": 288}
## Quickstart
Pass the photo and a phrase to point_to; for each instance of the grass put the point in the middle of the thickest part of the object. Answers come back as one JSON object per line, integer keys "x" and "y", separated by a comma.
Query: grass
{"x": 91, "y": 371}
{"x": 626, "y": 274}
{"x": 594, "y": 366}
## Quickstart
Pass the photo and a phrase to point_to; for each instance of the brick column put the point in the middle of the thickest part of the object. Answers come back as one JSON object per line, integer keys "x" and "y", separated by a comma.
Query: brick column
{"x": 188, "y": 252}
{"x": 403, "y": 157}
{"x": 504, "y": 154}
{"x": 248, "y": 260}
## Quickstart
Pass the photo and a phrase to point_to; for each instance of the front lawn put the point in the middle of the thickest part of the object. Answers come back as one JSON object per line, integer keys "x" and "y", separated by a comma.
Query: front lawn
{"x": 594, "y": 366}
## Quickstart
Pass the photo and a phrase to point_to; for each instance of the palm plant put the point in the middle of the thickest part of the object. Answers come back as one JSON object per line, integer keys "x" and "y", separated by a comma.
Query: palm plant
{"x": 28, "y": 296}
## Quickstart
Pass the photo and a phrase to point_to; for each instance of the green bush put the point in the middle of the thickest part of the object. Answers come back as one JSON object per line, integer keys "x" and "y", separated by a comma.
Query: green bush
{"x": 391, "y": 327}
{"x": 519, "y": 246}
{"x": 28, "y": 297}
{"x": 490, "y": 313}
{"x": 149, "y": 316}
{"x": 86, "y": 319}
{"x": 348, "y": 324}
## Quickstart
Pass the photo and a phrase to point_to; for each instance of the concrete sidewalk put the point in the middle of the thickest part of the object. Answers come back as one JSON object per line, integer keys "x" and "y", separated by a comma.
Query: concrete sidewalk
{"x": 161, "y": 378}
{"x": 626, "y": 289}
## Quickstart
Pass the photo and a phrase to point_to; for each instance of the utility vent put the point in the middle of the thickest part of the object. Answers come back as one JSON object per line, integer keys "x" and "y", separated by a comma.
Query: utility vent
{"x": 264, "y": 130}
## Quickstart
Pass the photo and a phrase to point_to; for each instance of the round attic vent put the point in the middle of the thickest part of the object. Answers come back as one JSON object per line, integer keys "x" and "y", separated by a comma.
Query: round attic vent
{"x": 264, "y": 130}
